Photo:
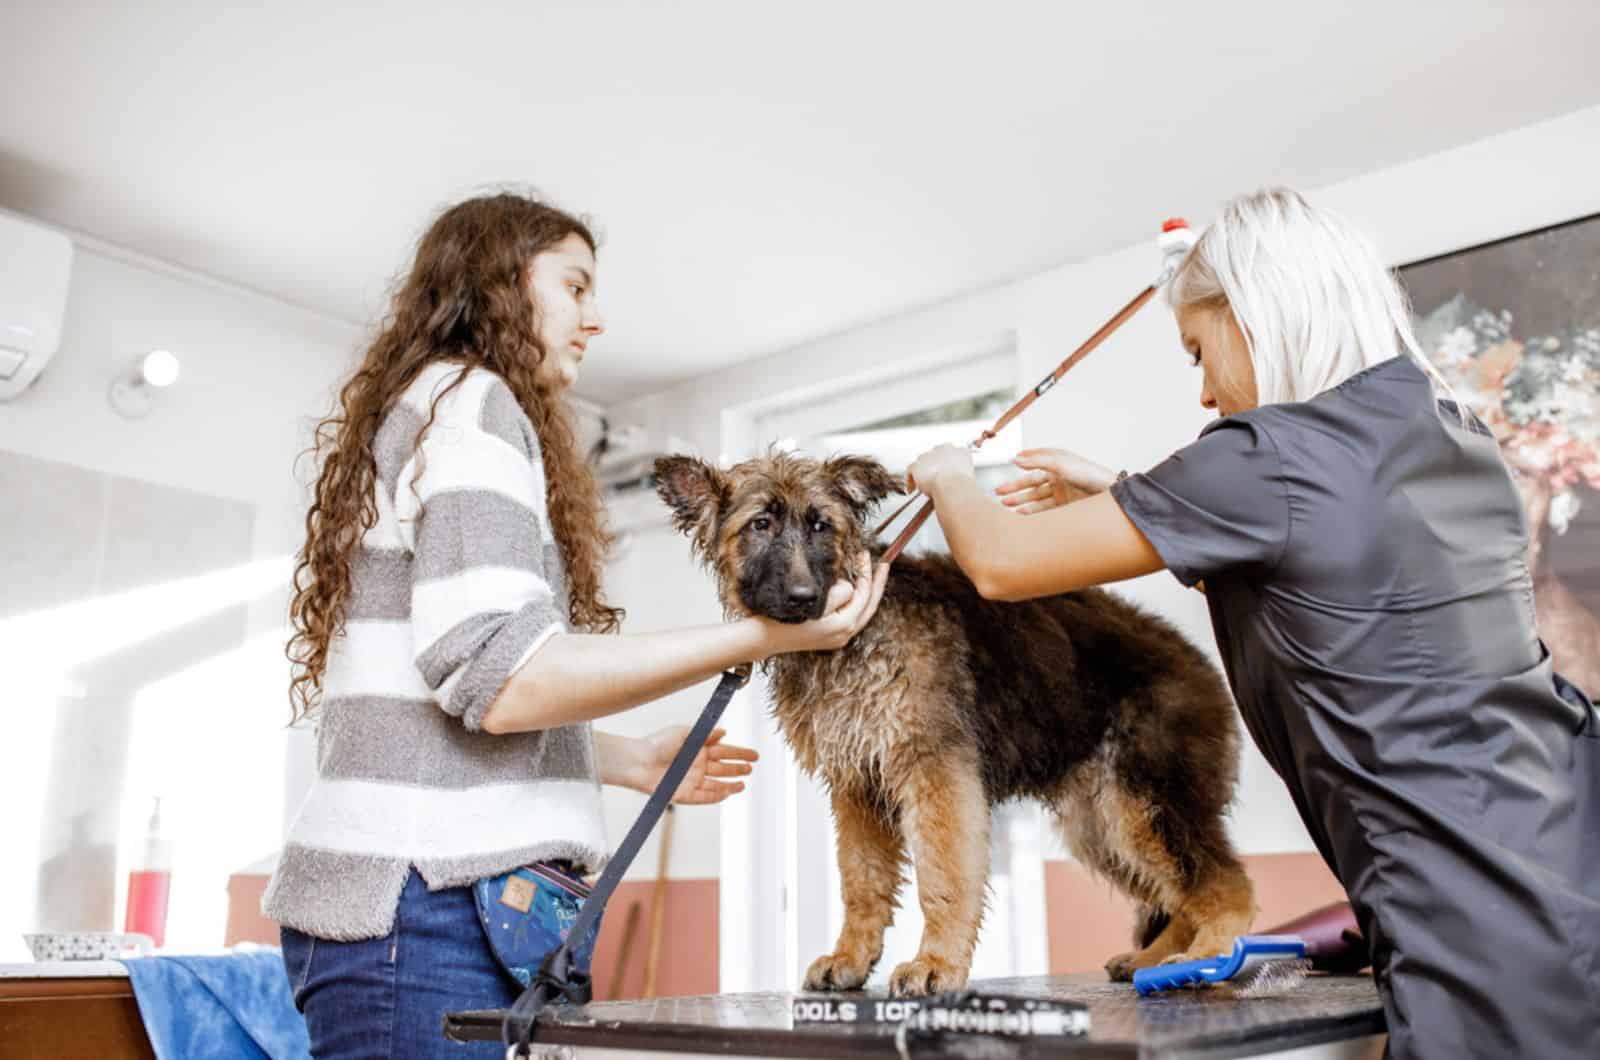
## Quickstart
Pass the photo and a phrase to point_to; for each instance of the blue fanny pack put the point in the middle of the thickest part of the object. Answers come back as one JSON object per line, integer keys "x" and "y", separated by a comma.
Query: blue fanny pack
{"x": 527, "y": 914}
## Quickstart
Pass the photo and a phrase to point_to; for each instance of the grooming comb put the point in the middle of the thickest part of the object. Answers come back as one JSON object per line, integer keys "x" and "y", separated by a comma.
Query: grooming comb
{"x": 1259, "y": 966}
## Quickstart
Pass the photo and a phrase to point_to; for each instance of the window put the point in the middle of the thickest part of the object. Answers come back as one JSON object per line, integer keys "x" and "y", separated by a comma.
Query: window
{"x": 898, "y": 440}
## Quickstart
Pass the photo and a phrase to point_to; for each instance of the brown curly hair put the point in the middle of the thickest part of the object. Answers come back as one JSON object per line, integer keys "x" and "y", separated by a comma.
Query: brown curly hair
{"x": 466, "y": 300}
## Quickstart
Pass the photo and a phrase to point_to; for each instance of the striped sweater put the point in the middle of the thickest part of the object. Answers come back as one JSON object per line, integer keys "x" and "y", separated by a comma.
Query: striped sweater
{"x": 455, "y": 586}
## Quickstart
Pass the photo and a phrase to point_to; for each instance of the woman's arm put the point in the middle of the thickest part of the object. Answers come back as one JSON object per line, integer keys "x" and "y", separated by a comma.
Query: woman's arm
{"x": 579, "y": 677}
{"x": 1018, "y": 557}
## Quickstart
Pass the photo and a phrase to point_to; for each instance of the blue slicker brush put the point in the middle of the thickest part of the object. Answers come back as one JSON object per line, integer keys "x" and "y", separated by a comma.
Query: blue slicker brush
{"x": 1260, "y": 965}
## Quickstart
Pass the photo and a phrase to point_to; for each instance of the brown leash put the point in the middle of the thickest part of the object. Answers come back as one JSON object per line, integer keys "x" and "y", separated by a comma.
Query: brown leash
{"x": 1176, "y": 241}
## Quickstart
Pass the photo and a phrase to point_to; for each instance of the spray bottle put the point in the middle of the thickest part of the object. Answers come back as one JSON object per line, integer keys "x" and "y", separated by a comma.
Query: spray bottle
{"x": 150, "y": 882}
{"x": 1175, "y": 241}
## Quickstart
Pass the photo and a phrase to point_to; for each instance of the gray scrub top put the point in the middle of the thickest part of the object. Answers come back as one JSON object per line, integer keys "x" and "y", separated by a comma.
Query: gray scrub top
{"x": 1364, "y": 558}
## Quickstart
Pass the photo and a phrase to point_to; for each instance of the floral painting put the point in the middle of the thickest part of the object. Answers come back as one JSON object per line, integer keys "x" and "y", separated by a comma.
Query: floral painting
{"x": 1515, "y": 327}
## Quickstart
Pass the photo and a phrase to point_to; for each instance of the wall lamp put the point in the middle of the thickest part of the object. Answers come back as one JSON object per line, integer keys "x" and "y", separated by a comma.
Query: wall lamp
{"x": 133, "y": 392}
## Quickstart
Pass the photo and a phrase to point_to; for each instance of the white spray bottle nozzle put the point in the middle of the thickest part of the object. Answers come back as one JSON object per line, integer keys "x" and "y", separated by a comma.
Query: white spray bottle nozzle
{"x": 157, "y": 848}
{"x": 1176, "y": 240}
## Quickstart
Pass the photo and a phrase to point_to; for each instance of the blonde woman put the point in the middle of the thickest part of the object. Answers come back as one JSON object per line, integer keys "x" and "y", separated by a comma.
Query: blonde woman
{"x": 1363, "y": 553}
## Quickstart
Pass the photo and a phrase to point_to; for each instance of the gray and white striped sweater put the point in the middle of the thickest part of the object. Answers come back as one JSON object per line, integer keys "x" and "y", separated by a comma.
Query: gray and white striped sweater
{"x": 454, "y": 588}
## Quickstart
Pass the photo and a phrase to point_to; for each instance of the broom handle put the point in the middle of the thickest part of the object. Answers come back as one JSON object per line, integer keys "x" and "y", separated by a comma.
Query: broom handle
{"x": 629, "y": 929}
{"x": 658, "y": 910}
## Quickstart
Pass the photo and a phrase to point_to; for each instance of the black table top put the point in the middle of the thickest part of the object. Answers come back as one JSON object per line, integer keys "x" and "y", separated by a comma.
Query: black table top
{"x": 1211, "y": 1022}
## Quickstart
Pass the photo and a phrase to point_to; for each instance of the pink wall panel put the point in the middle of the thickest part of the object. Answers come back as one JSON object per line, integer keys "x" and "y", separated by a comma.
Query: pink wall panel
{"x": 1089, "y": 922}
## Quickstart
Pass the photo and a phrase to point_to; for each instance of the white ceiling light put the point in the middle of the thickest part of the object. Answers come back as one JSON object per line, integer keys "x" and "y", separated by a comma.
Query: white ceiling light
{"x": 133, "y": 392}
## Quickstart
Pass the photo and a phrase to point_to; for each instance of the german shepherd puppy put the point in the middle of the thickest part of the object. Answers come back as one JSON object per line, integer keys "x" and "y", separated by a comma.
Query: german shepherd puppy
{"x": 947, "y": 703}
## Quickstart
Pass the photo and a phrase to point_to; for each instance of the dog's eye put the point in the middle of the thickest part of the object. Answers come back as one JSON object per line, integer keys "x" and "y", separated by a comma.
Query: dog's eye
{"x": 760, "y": 522}
{"x": 819, "y": 526}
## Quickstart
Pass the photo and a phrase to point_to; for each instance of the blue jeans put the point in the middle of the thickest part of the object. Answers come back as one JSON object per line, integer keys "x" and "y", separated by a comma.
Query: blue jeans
{"x": 387, "y": 997}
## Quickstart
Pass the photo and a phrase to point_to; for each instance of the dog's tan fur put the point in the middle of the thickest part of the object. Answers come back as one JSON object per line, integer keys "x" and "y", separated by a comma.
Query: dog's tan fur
{"x": 946, "y": 703}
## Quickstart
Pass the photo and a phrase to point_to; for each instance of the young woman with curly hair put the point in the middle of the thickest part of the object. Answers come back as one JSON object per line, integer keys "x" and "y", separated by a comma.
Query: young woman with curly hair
{"x": 452, "y": 639}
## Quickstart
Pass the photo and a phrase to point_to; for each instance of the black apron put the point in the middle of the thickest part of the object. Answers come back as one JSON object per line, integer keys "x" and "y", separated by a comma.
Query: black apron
{"x": 1364, "y": 558}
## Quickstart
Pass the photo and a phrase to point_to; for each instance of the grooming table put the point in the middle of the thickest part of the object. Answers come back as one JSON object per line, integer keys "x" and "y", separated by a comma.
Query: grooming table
{"x": 1326, "y": 1017}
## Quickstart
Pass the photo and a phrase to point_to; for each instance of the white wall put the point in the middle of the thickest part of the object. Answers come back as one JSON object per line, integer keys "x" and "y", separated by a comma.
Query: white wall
{"x": 256, "y": 372}
{"x": 1134, "y": 400}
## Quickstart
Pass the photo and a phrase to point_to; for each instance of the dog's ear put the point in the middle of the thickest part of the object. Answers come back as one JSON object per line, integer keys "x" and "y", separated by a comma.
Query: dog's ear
{"x": 694, "y": 490}
{"x": 860, "y": 481}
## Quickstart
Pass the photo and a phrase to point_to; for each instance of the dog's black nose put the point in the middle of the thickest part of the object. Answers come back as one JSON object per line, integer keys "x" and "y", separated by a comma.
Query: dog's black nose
{"x": 802, "y": 594}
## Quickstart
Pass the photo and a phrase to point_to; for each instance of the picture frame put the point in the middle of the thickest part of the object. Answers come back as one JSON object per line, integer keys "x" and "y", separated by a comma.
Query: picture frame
{"x": 1514, "y": 326}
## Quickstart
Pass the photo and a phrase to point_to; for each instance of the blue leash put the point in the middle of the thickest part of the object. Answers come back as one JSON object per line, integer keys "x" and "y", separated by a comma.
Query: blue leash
{"x": 557, "y": 979}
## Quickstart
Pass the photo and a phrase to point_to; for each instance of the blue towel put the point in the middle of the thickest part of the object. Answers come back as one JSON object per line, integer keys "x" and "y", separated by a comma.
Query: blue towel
{"x": 231, "y": 1006}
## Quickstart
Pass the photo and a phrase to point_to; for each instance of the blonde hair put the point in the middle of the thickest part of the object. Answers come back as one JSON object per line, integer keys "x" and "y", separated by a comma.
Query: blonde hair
{"x": 1307, "y": 289}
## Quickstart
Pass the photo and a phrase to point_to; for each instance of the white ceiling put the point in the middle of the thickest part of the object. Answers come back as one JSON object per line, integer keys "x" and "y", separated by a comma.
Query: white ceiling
{"x": 762, "y": 173}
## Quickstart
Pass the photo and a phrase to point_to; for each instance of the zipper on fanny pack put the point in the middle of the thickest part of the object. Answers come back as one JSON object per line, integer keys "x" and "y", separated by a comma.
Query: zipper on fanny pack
{"x": 571, "y": 884}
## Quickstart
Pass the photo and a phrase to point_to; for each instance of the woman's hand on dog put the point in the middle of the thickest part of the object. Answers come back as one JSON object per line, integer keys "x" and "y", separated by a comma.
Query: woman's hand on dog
{"x": 850, "y": 607}
{"x": 1051, "y": 478}
{"x": 704, "y": 784}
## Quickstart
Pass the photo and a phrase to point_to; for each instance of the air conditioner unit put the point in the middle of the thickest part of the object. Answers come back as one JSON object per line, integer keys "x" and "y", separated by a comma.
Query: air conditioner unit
{"x": 626, "y": 456}
{"x": 624, "y": 464}
{"x": 35, "y": 265}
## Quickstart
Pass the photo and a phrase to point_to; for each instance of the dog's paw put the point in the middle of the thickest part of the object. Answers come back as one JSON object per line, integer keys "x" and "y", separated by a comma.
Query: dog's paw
{"x": 1120, "y": 968}
{"x": 926, "y": 975}
{"x": 836, "y": 972}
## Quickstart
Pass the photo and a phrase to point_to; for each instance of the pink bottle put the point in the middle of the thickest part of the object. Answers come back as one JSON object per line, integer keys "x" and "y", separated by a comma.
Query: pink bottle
{"x": 149, "y": 884}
